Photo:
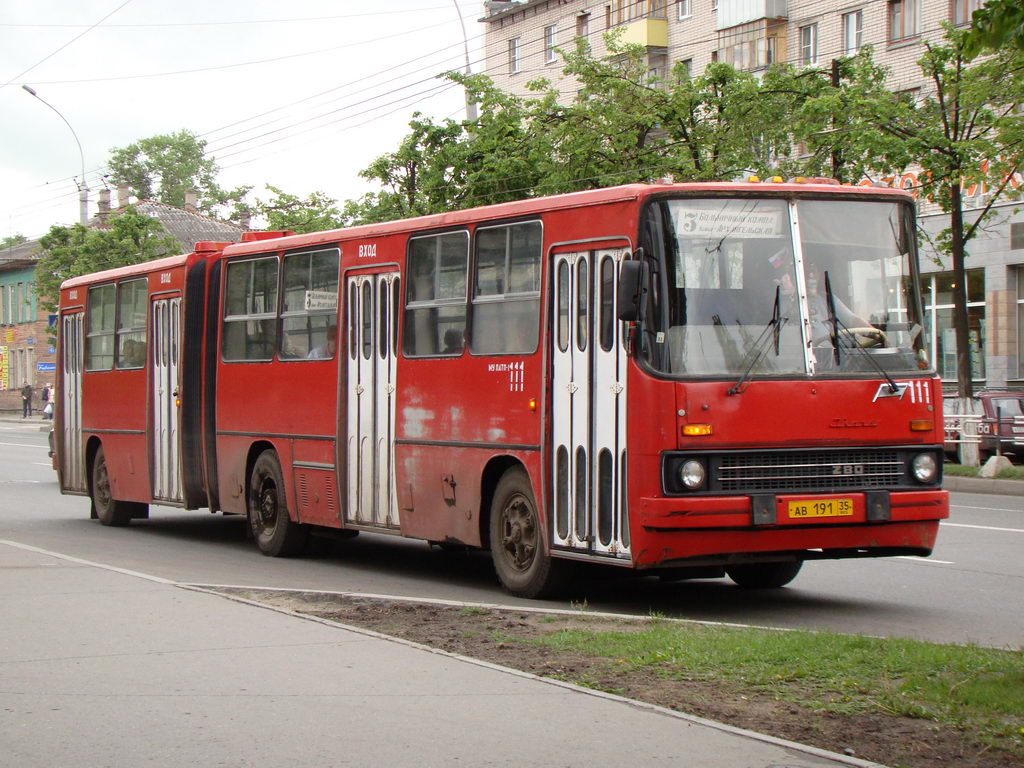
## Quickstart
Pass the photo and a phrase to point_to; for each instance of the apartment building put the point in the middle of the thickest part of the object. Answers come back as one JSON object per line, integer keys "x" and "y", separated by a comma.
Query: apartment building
{"x": 521, "y": 41}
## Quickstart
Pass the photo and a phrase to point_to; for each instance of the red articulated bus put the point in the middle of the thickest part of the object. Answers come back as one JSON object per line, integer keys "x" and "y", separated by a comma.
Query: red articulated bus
{"x": 693, "y": 379}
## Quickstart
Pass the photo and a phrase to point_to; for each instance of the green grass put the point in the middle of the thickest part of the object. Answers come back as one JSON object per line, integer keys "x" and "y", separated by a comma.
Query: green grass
{"x": 959, "y": 470}
{"x": 951, "y": 685}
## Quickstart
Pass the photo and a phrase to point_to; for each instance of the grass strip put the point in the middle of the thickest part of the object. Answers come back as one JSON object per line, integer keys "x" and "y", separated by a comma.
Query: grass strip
{"x": 959, "y": 470}
{"x": 981, "y": 689}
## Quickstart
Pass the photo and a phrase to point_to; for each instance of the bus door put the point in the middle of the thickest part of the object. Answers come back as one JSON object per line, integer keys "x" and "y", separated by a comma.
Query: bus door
{"x": 165, "y": 336}
{"x": 372, "y": 344}
{"x": 72, "y": 460}
{"x": 588, "y": 407}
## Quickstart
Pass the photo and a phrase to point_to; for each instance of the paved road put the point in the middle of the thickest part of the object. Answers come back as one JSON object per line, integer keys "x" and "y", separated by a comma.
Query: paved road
{"x": 967, "y": 592}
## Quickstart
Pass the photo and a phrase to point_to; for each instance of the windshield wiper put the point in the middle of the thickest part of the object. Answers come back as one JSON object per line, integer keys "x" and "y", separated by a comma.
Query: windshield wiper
{"x": 838, "y": 325}
{"x": 771, "y": 332}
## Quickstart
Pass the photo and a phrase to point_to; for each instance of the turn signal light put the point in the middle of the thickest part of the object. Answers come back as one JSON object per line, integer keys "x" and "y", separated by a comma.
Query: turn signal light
{"x": 533, "y": 404}
{"x": 696, "y": 430}
{"x": 922, "y": 425}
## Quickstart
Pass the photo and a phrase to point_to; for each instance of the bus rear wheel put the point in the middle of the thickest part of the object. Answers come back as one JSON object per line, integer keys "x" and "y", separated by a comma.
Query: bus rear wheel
{"x": 275, "y": 533}
{"x": 764, "y": 575}
{"x": 523, "y": 566}
{"x": 109, "y": 510}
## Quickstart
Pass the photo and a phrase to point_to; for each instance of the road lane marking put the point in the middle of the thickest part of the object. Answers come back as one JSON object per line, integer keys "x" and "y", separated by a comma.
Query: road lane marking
{"x": 25, "y": 445}
{"x": 924, "y": 560}
{"x": 983, "y": 509}
{"x": 983, "y": 527}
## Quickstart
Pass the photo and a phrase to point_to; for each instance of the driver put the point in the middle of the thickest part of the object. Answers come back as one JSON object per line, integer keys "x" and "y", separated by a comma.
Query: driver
{"x": 859, "y": 331}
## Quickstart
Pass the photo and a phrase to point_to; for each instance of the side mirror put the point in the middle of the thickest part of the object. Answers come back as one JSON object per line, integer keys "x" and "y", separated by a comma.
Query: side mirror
{"x": 632, "y": 287}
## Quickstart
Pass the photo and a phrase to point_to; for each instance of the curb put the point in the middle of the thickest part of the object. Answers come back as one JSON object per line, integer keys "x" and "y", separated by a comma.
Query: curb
{"x": 984, "y": 485}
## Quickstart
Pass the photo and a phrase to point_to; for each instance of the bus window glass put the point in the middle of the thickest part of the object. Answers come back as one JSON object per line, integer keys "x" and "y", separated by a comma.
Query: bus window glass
{"x": 435, "y": 310}
{"x": 396, "y": 302}
{"x": 607, "y": 303}
{"x": 506, "y": 289}
{"x": 99, "y": 350}
{"x": 382, "y": 320}
{"x": 367, "y": 299}
{"x": 309, "y": 309}
{"x": 132, "y": 301}
{"x": 563, "y": 306}
{"x": 582, "y": 292}
{"x": 353, "y": 323}
{"x": 250, "y": 310}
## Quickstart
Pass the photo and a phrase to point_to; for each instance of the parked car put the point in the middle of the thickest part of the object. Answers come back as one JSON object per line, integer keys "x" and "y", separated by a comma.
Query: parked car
{"x": 1006, "y": 408}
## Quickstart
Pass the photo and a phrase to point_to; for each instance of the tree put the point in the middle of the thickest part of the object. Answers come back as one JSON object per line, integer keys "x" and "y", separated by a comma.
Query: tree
{"x": 77, "y": 250}
{"x": 290, "y": 212}
{"x": 968, "y": 132}
{"x": 166, "y": 167}
{"x": 12, "y": 240}
{"x": 997, "y": 24}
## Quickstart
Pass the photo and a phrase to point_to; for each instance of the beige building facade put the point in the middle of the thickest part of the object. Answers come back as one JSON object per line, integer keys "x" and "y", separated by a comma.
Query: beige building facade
{"x": 520, "y": 45}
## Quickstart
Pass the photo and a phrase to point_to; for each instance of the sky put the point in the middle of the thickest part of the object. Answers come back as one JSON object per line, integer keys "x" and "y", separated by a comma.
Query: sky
{"x": 301, "y": 95}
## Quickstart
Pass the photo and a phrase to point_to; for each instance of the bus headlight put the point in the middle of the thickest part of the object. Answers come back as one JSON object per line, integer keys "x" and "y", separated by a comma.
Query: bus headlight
{"x": 692, "y": 474}
{"x": 924, "y": 467}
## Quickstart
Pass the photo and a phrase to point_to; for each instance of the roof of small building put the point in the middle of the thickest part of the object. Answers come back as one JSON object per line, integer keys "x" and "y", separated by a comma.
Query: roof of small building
{"x": 189, "y": 227}
{"x": 20, "y": 256}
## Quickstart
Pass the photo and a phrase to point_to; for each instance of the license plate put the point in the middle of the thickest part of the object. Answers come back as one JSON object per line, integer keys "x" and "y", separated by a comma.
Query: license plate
{"x": 800, "y": 510}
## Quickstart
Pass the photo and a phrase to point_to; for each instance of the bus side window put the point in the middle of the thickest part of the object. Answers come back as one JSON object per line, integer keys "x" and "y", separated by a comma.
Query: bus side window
{"x": 132, "y": 300}
{"x": 99, "y": 343}
{"x": 435, "y": 309}
{"x": 310, "y": 307}
{"x": 506, "y": 289}
{"x": 250, "y": 310}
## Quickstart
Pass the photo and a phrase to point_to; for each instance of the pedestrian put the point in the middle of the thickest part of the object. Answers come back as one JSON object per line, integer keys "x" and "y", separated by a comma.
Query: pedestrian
{"x": 26, "y": 401}
{"x": 47, "y": 397}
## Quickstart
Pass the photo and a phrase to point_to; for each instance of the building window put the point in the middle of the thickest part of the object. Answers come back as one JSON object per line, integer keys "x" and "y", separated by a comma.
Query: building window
{"x": 583, "y": 25}
{"x": 751, "y": 46}
{"x": 657, "y": 63}
{"x": 685, "y": 69}
{"x": 853, "y": 32}
{"x": 962, "y": 10}
{"x": 435, "y": 308}
{"x": 1017, "y": 236}
{"x": 683, "y": 8}
{"x": 937, "y": 294}
{"x": 904, "y": 19}
{"x": 550, "y": 41}
{"x": 1020, "y": 321}
{"x": 809, "y": 45}
{"x": 513, "y": 56}
{"x": 622, "y": 11}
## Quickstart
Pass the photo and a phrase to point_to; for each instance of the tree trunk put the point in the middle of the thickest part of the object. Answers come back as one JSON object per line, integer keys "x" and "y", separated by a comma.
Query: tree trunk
{"x": 965, "y": 385}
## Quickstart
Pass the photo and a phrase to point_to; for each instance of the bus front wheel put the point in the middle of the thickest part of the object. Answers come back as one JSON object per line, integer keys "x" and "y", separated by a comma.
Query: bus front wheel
{"x": 275, "y": 533}
{"x": 764, "y": 575}
{"x": 109, "y": 510}
{"x": 523, "y": 566}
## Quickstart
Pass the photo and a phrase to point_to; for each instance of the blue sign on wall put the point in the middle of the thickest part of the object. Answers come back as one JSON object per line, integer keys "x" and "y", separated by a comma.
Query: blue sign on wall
{"x": 46, "y": 367}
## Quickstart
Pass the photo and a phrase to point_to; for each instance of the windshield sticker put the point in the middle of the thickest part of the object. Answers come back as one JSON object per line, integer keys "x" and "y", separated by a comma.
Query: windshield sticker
{"x": 321, "y": 300}
{"x": 700, "y": 222}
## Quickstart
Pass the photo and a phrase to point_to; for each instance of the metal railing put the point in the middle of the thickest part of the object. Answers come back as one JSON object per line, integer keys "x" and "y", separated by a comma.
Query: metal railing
{"x": 972, "y": 428}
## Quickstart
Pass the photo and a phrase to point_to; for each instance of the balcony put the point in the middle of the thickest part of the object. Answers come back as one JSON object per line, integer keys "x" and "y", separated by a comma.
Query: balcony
{"x": 732, "y": 13}
{"x": 649, "y": 32}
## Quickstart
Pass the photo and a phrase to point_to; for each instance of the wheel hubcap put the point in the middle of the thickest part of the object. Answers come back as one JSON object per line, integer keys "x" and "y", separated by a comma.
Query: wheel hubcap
{"x": 265, "y": 509}
{"x": 102, "y": 485}
{"x": 518, "y": 533}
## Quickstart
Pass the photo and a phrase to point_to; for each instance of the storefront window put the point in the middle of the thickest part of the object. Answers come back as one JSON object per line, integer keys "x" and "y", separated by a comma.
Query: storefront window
{"x": 937, "y": 294}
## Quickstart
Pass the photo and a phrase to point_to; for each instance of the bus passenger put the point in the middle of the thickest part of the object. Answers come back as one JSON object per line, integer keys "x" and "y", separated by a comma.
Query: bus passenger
{"x": 325, "y": 351}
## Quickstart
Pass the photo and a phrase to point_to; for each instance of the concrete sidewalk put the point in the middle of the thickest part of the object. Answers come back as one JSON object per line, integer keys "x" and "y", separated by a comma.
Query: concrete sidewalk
{"x": 102, "y": 667}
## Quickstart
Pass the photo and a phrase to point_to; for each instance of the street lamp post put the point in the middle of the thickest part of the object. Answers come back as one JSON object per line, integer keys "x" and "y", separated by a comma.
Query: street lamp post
{"x": 470, "y": 104}
{"x": 83, "y": 189}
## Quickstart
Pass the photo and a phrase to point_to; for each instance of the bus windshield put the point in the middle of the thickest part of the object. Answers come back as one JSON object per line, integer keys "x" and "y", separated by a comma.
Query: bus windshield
{"x": 773, "y": 287}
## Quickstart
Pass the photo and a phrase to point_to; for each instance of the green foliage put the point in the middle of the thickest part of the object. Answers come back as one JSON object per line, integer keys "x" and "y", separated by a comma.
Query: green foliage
{"x": 310, "y": 214}
{"x": 77, "y": 250}
{"x": 625, "y": 125}
{"x": 998, "y": 24}
{"x": 12, "y": 240}
{"x": 166, "y": 166}
{"x": 949, "y": 684}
